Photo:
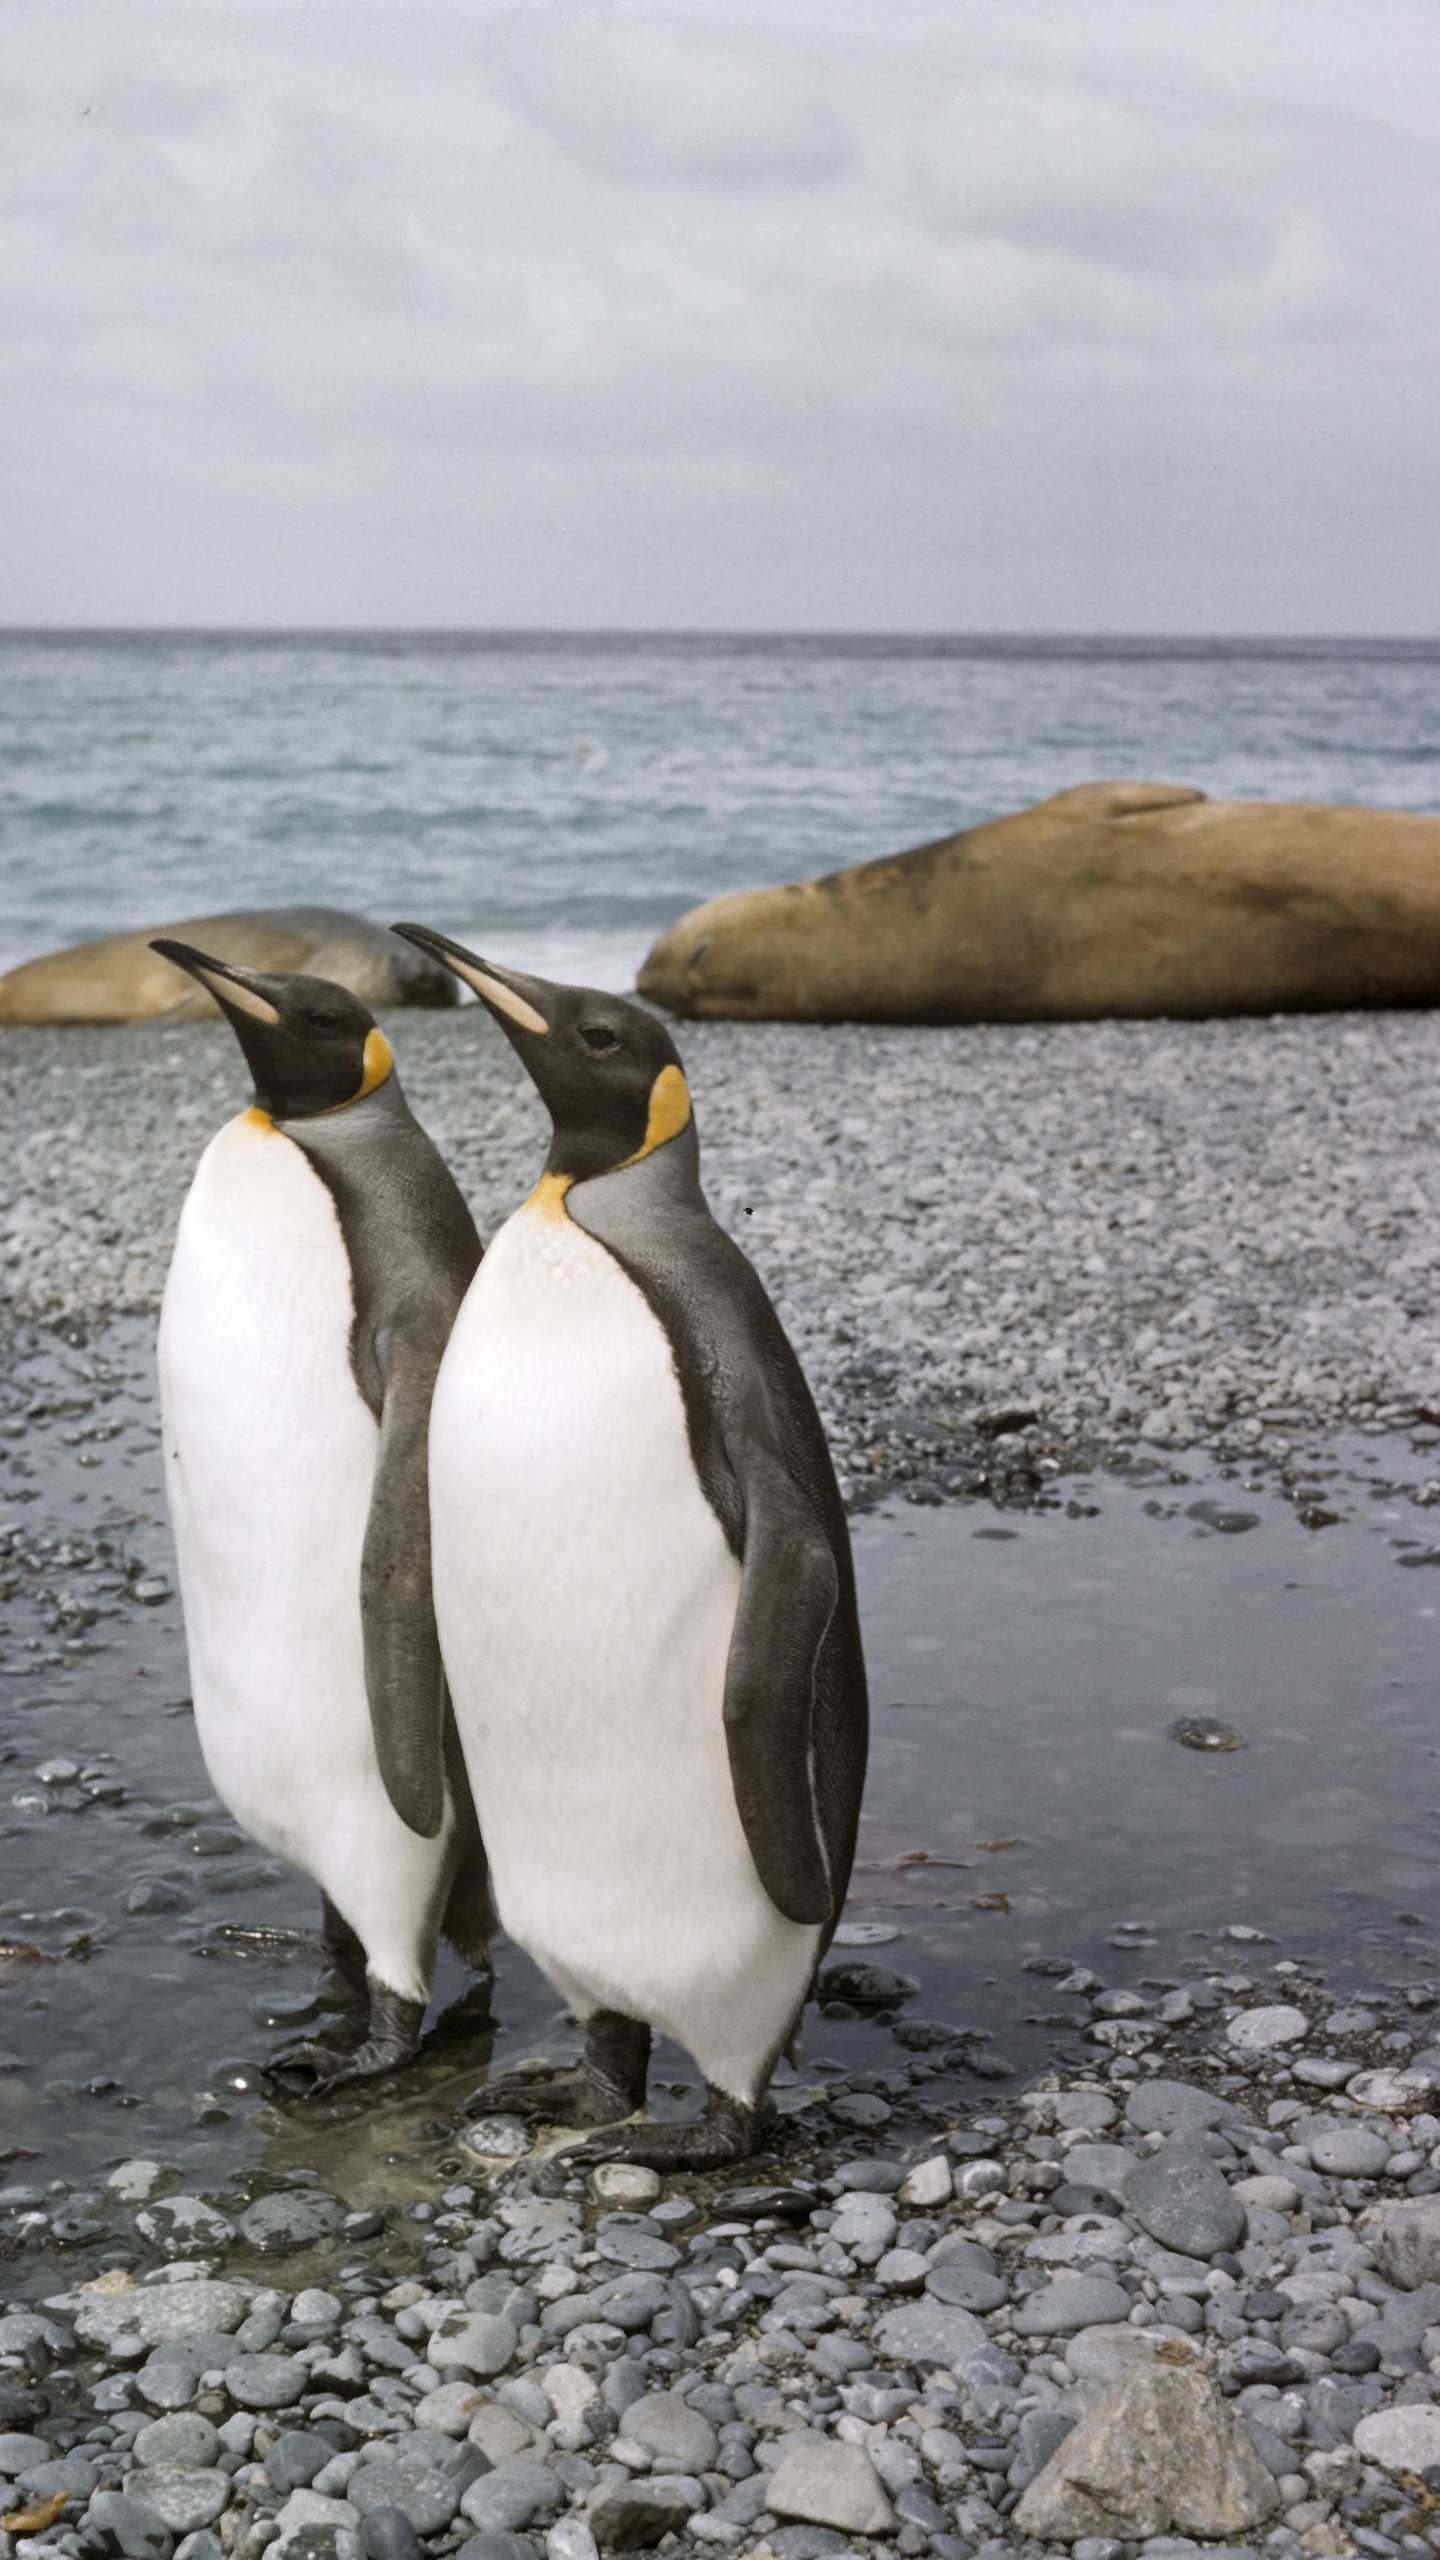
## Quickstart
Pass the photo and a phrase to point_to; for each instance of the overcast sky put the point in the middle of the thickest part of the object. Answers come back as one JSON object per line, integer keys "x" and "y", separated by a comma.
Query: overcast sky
{"x": 1073, "y": 315}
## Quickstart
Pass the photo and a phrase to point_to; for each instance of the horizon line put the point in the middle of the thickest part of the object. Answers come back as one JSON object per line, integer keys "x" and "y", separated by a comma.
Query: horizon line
{"x": 739, "y": 632}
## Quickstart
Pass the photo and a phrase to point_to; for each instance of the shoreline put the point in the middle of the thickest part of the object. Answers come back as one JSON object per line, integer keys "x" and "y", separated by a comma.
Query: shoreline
{"x": 999, "y": 1251}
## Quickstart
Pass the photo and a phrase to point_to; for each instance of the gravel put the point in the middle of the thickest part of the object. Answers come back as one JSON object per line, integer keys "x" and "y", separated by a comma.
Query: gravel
{"x": 796, "y": 2361}
{"x": 1197, "y": 1232}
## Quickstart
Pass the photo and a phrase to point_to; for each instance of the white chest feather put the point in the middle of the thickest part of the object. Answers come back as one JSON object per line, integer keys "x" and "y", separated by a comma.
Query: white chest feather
{"x": 586, "y": 1598}
{"x": 270, "y": 1457}
{"x": 270, "y": 1461}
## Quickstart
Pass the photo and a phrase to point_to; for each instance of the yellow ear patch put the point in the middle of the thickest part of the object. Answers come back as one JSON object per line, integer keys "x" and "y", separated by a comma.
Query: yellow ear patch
{"x": 378, "y": 1061}
{"x": 670, "y": 1110}
{"x": 257, "y": 1117}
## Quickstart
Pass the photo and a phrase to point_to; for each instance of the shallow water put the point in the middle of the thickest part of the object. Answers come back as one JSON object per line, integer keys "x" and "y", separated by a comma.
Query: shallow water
{"x": 558, "y": 798}
{"x": 1026, "y": 1796}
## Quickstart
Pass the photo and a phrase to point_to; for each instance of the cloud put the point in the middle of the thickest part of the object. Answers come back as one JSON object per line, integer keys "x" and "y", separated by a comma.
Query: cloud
{"x": 589, "y": 313}
{"x": 649, "y": 101}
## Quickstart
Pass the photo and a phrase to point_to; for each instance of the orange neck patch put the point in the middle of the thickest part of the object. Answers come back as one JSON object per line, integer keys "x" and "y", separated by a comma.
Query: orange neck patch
{"x": 670, "y": 1112}
{"x": 548, "y": 1197}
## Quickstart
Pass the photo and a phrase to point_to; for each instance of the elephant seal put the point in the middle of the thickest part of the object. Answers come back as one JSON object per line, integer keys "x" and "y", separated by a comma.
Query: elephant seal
{"x": 1128, "y": 898}
{"x": 123, "y": 980}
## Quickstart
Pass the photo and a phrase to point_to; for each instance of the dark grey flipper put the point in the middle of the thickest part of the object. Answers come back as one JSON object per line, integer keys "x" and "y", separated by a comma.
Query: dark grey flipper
{"x": 608, "y": 2081}
{"x": 796, "y": 1716}
{"x": 413, "y": 1252}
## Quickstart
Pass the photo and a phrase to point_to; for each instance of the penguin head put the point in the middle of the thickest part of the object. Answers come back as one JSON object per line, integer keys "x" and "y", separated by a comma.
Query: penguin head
{"x": 608, "y": 1073}
{"x": 310, "y": 1046}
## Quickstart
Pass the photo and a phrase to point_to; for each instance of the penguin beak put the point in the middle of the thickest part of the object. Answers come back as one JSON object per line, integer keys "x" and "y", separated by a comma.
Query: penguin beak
{"x": 235, "y": 990}
{"x": 518, "y": 1002}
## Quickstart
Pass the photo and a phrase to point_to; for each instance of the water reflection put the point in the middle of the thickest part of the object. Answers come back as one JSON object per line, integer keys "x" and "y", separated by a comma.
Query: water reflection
{"x": 1029, "y": 1805}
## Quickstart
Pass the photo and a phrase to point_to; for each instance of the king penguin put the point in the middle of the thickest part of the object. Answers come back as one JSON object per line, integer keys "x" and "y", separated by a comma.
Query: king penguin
{"x": 645, "y": 1596}
{"x": 322, "y": 1253}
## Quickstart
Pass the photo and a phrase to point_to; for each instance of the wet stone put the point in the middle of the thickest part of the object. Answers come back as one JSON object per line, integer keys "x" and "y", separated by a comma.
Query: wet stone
{"x": 485, "y": 2546}
{"x": 1205, "y": 1733}
{"x": 869, "y": 1986}
{"x": 184, "y": 2226}
{"x": 274, "y": 2226}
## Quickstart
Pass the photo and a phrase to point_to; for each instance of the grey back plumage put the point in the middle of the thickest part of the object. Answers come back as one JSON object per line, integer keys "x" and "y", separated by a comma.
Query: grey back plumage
{"x": 796, "y": 1712}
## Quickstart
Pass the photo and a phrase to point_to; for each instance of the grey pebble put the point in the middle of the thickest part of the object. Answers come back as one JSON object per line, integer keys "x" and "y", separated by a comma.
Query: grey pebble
{"x": 297, "y": 2458}
{"x": 511, "y": 2497}
{"x": 426, "y": 2496}
{"x": 968, "y": 2288}
{"x": 1182, "y": 2200}
{"x": 387, "y": 2533}
{"x": 182, "y": 2437}
{"x": 126, "y": 2525}
{"x": 665, "y": 2424}
{"x": 1073, "y": 2302}
{"x": 265, "y": 2381}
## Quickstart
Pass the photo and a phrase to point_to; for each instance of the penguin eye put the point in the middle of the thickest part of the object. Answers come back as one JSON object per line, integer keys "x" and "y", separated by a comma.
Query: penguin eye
{"x": 598, "y": 1036}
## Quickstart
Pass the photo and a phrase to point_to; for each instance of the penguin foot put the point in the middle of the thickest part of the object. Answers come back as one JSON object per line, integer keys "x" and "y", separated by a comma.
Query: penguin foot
{"x": 393, "y": 2040}
{"x": 726, "y": 2132}
{"x": 608, "y": 2081}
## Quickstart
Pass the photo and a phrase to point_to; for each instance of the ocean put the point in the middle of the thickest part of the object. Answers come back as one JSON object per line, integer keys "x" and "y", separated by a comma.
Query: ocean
{"x": 555, "y": 799}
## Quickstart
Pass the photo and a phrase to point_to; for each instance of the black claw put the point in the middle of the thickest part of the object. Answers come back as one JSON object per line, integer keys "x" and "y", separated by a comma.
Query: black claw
{"x": 328, "y": 2069}
{"x": 394, "y": 2040}
{"x": 725, "y": 2133}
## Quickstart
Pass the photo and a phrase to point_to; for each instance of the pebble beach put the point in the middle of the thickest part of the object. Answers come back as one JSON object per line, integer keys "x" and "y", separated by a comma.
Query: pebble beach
{"x": 1187, "y": 2296}
{"x": 1193, "y": 1233}
{"x": 1182, "y": 2294}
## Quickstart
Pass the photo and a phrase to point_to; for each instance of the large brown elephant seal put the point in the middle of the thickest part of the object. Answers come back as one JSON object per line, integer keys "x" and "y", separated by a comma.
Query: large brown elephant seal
{"x": 122, "y": 980}
{"x": 1113, "y": 898}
